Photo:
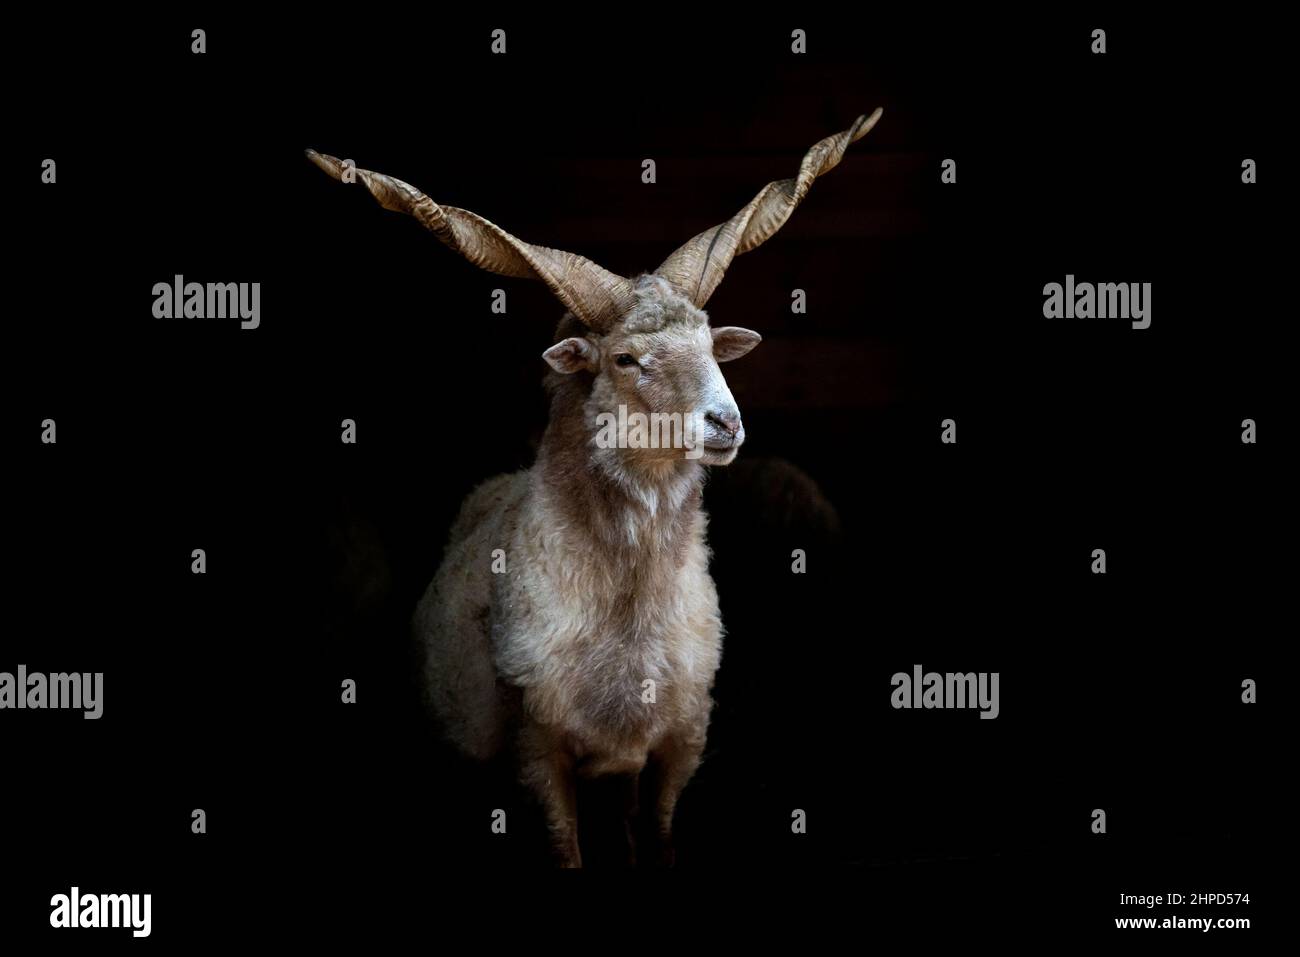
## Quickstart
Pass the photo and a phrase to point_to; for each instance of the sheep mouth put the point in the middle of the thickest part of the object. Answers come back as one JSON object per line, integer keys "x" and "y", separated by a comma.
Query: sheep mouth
{"x": 720, "y": 446}
{"x": 724, "y": 445}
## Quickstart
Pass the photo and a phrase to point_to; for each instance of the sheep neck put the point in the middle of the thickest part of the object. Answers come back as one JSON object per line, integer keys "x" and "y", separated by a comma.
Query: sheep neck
{"x": 640, "y": 514}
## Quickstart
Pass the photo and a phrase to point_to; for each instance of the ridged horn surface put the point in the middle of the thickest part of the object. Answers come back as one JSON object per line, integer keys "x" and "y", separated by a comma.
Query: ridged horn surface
{"x": 697, "y": 267}
{"x": 595, "y": 295}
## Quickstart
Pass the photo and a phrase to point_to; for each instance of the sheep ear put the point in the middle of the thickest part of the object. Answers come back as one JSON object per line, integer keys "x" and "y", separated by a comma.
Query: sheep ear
{"x": 572, "y": 355}
{"x": 732, "y": 342}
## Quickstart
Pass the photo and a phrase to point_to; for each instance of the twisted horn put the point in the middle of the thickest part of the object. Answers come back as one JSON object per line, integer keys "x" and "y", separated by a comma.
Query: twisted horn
{"x": 697, "y": 267}
{"x": 593, "y": 294}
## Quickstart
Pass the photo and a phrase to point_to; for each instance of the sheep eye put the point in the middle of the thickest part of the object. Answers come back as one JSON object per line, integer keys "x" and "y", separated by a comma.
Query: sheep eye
{"x": 624, "y": 359}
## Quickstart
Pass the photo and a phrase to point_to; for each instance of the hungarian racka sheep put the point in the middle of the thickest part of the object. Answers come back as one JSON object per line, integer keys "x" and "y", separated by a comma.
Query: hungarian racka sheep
{"x": 573, "y": 623}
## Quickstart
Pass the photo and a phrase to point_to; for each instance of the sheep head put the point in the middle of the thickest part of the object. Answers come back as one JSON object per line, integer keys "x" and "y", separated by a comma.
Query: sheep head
{"x": 645, "y": 343}
{"x": 659, "y": 359}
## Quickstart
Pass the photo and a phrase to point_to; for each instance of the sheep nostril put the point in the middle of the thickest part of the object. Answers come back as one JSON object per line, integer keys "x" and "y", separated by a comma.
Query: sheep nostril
{"x": 724, "y": 421}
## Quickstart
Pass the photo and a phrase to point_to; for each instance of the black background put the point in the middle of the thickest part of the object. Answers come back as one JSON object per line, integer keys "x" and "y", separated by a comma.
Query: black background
{"x": 925, "y": 302}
